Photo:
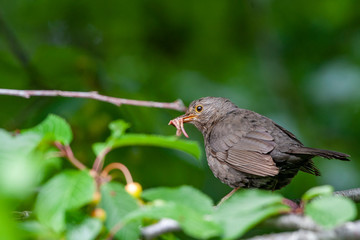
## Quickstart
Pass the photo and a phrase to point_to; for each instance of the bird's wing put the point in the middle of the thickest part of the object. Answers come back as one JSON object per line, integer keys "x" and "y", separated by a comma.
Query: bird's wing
{"x": 245, "y": 152}
{"x": 287, "y": 132}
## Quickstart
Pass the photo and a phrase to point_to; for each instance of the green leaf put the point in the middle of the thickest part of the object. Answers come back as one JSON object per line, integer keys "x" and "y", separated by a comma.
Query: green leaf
{"x": 317, "y": 191}
{"x": 188, "y": 206}
{"x": 190, "y": 147}
{"x": 9, "y": 229}
{"x": 53, "y": 128}
{"x": 35, "y": 230}
{"x": 193, "y": 222}
{"x": 66, "y": 191}
{"x": 184, "y": 195}
{"x": 117, "y": 203}
{"x": 245, "y": 209}
{"x": 118, "y": 138}
{"x": 19, "y": 164}
{"x": 118, "y": 128}
{"x": 331, "y": 211}
{"x": 198, "y": 225}
{"x": 239, "y": 223}
{"x": 87, "y": 229}
{"x": 99, "y": 147}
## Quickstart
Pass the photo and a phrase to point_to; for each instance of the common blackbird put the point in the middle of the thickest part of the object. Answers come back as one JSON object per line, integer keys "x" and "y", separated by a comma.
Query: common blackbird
{"x": 247, "y": 150}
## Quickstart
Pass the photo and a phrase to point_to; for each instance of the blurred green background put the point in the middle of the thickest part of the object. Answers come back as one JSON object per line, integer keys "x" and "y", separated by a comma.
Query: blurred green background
{"x": 297, "y": 62}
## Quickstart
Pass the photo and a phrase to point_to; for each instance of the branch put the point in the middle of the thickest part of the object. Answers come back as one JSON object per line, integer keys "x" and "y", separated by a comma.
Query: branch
{"x": 177, "y": 105}
{"x": 349, "y": 230}
{"x": 353, "y": 194}
{"x": 163, "y": 226}
{"x": 292, "y": 222}
{"x": 284, "y": 222}
{"x": 308, "y": 229}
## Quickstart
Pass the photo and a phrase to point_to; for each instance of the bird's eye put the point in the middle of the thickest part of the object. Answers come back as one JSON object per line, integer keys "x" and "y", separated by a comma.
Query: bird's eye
{"x": 198, "y": 108}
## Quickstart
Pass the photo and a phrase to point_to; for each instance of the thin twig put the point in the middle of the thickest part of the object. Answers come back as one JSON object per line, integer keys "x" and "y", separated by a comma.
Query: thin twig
{"x": 119, "y": 166}
{"x": 177, "y": 105}
{"x": 68, "y": 153}
{"x": 99, "y": 161}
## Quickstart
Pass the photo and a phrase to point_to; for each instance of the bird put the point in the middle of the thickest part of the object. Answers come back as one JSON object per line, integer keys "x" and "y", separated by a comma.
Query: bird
{"x": 247, "y": 150}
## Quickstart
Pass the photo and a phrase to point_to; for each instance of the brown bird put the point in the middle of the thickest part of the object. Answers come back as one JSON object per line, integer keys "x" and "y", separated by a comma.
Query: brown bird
{"x": 247, "y": 150}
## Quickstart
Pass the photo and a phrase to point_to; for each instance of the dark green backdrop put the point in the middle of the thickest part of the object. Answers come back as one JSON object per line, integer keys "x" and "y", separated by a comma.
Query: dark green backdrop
{"x": 296, "y": 62}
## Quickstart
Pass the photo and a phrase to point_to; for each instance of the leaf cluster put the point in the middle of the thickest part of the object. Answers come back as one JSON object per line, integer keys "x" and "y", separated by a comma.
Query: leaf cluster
{"x": 87, "y": 204}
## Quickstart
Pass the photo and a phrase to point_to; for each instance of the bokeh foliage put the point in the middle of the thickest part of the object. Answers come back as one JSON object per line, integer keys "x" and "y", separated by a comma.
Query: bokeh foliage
{"x": 296, "y": 62}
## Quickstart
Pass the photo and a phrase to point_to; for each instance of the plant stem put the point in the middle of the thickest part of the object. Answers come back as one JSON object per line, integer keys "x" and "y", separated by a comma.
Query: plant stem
{"x": 114, "y": 230}
{"x": 68, "y": 153}
{"x": 121, "y": 167}
{"x": 99, "y": 161}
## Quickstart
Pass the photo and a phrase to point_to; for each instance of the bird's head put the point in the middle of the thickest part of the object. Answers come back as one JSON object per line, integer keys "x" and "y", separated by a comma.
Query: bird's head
{"x": 204, "y": 112}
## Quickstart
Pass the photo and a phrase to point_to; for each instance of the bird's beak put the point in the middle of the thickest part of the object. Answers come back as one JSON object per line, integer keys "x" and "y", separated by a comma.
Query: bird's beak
{"x": 187, "y": 118}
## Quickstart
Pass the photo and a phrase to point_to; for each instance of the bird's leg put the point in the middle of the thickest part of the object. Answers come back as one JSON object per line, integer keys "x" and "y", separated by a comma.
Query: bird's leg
{"x": 296, "y": 208}
{"x": 274, "y": 186}
{"x": 227, "y": 196}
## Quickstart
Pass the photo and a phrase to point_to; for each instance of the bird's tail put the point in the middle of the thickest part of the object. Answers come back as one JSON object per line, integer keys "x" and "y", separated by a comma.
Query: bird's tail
{"x": 320, "y": 152}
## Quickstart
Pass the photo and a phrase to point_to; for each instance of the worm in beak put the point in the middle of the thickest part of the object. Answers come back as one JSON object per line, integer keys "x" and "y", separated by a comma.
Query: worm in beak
{"x": 179, "y": 124}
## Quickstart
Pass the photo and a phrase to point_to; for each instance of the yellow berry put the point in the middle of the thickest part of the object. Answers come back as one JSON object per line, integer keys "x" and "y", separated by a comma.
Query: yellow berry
{"x": 134, "y": 189}
{"x": 96, "y": 198}
{"x": 99, "y": 213}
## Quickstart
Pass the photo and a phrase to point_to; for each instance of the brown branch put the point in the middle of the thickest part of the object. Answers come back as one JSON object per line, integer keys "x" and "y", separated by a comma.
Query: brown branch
{"x": 177, "y": 105}
{"x": 67, "y": 152}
